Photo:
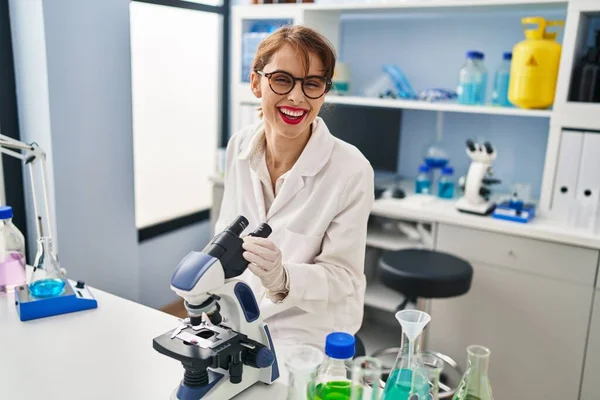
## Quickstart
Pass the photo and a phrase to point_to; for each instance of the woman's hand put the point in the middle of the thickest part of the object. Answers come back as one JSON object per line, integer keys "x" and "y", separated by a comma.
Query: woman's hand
{"x": 265, "y": 262}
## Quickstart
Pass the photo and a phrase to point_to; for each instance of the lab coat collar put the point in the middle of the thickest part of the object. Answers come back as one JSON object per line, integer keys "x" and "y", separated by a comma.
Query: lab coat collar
{"x": 315, "y": 155}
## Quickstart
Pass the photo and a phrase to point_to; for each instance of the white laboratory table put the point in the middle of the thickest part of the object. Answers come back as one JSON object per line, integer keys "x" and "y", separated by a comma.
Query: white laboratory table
{"x": 99, "y": 354}
{"x": 435, "y": 210}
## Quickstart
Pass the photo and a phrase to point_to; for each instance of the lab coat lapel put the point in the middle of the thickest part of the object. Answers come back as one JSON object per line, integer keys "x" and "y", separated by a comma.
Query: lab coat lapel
{"x": 315, "y": 155}
{"x": 258, "y": 195}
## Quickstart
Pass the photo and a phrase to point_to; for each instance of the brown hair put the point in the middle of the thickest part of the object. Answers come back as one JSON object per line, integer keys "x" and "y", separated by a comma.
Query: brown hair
{"x": 305, "y": 40}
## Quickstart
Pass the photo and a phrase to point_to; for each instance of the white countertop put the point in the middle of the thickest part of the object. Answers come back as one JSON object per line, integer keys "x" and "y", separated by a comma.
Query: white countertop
{"x": 434, "y": 209}
{"x": 99, "y": 354}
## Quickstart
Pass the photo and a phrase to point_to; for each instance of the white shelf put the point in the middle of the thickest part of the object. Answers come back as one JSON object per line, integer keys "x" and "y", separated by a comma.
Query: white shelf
{"x": 437, "y": 106}
{"x": 380, "y": 239}
{"x": 381, "y": 297}
{"x": 406, "y": 5}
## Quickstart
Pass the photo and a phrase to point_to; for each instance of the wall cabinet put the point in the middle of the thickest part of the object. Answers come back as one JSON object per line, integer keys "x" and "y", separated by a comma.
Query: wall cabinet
{"x": 591, "y": 372}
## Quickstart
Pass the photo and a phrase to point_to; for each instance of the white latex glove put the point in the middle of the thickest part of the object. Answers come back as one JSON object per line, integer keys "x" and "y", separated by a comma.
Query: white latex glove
{"x": 265, "y": 262}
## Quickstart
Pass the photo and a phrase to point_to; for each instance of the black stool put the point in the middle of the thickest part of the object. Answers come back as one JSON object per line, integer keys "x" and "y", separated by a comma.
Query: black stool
{"x": 421, "y": 275}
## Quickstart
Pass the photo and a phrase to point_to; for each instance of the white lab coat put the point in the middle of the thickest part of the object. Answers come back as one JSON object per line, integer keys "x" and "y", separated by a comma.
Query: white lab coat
{"x": 319, "y": 221}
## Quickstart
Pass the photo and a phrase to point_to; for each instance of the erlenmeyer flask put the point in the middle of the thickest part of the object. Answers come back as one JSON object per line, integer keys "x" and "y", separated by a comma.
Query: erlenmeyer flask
{"x": 302, "y": 363}
{"x": 475, "y": 384}
{"x": 408, "y": 379}
{"x": 47, "y": 279}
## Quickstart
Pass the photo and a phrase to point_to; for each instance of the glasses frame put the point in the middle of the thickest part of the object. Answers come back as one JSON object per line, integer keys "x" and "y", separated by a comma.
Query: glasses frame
{"x": 268, "y": 75}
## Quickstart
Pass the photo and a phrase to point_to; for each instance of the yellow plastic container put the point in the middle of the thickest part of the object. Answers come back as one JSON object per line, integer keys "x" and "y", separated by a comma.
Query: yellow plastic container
{"x": 534, "y": 65}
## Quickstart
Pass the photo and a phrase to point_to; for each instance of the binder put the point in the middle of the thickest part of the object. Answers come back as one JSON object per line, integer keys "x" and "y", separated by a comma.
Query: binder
{"x": 567, "y": 174}
{"x": 588, "y": 181}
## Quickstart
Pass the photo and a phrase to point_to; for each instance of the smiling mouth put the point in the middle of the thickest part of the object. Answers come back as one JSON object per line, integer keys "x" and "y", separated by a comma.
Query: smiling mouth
{"x": 292, "y": 116}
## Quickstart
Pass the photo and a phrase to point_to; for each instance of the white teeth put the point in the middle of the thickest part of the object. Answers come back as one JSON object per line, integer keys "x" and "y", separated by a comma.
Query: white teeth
{"x": 291, "y": 113}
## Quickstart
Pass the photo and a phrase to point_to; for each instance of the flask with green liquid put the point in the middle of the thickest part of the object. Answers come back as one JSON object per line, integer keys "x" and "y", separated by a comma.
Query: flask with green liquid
{"x": 475, "y": 383}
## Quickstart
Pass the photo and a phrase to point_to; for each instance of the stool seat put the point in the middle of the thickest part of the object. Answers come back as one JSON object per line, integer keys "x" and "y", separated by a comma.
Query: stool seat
{"x": 419, "y": 273}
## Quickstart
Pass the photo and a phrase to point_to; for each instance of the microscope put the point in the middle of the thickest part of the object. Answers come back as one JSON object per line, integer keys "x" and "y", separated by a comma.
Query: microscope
{"x": 223, "y": 344}
{"x": 477, "y": 194}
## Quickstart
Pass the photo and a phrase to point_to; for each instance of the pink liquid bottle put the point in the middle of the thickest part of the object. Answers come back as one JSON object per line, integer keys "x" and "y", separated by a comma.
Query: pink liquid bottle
{"x": 12, "y": 253}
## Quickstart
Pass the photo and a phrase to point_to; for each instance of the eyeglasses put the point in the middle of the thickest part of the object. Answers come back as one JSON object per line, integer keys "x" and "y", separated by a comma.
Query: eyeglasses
{"x": 282, "y": 83}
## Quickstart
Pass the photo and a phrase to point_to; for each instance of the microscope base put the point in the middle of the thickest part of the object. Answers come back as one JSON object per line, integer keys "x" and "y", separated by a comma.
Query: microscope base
{"x": 479, "y": 209}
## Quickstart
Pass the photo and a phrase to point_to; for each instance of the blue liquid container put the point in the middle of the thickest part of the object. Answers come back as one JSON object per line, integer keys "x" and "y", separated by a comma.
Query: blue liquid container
{"x": 401, "y": 383}
{"x": 423, "y": 180}
{"x": 446, "y": 183}
{"x": 472, "y": 80}
{"x": 501, "y": 82}
{"x": 47, "y": 288}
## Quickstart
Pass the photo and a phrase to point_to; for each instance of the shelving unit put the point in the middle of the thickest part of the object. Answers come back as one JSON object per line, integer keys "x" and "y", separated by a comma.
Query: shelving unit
{"x": 329, "y": 18}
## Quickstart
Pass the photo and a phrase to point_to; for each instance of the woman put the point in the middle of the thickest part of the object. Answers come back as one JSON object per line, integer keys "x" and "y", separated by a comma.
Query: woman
{"x": 315, "y": 191}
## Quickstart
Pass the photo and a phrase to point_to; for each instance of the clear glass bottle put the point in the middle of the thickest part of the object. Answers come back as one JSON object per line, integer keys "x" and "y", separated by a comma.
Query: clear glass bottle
{"x": 302, "y": 363}
{"x": 501, "y": 82}
{"x": 423, "y": 180}
{"x": 47, "y": 279}
{"x": 434, "y": 366}
{"x": 475, "y": 383}
{"x": 408, "y": 379}
{"x": 446, "y": 183}
{"x": 484, "y": 77}
{"x": 366, "y": 378}
{"x": 12, "y": 253}
{"x": 472, "y": 80}
{"x": 333, "y": 377}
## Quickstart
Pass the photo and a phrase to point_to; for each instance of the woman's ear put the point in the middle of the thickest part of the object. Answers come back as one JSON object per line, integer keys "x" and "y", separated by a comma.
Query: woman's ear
{"x": 255, "y": 84}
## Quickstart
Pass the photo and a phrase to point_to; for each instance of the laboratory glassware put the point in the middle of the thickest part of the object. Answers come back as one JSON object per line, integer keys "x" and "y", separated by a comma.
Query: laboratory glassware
{"x": 475, "y": 383}
{"x": 408, "y": 379}
{"x": 434, "y": 367}
{"x": 446, "y": 183}
{"x": 366, "y": 379}
{"x": 302, "y": 363}
{"x": 423, "y": 180}
{"x": 333, "y": 377}
{"x": 12, "y": 253}
{"x": 472, "y": 80}
{"x": 501, "y": 81}
{"x": 47, "y": 279}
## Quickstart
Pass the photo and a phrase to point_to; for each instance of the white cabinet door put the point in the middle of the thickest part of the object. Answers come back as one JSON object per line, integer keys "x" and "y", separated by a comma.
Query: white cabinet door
{"x": 591, "y": 373}
{"x": 535, "y": 327}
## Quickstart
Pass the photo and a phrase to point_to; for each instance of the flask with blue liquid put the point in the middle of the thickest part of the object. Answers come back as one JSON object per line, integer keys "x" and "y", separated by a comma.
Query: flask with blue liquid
{"x": 47, "y": 279}
{"x": 423, "y": 180}
{"x": 472, "y": 80}
{"x": 501, "y": 82}
{"x": 446, "y": 183}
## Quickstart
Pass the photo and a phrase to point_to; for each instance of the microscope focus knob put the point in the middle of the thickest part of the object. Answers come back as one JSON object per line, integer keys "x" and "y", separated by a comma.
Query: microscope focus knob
{"x": 259, "y": 357}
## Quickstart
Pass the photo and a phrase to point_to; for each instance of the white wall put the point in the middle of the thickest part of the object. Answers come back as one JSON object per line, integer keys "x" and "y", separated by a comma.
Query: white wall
{"x": 73, "y": 66}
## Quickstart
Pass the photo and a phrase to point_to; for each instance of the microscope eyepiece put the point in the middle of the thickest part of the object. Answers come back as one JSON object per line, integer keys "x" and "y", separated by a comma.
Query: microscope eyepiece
{"x": 488, "y": 147}
{"x": 470, "y": 145}
{"x": 263, "y": 231}
{"x": 238, "y": 226}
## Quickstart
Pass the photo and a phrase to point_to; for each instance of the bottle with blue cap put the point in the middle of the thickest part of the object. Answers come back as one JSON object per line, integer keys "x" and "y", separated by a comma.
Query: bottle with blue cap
{"x": 12, "y": 253}
{"x": 446, "y": 183}
{"x": 472, "y": 80}
{"x": 423, "y": 180}
{"x": 334, "y": 376}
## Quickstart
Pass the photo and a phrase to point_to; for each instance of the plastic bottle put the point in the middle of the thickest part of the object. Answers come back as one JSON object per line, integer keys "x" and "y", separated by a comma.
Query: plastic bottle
{"x": 334, "y": 375}
{"x": 423, "y": 180}
{"x": 12, "y": 253}
{"x": 472, "y": 80}
{"x": 502, "y": 81}
{"x": 250, "y": 41}
{"x": 446, "y": 183}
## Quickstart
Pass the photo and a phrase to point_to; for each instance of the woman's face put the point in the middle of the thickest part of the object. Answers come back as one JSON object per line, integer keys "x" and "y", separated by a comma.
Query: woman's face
{"x": 289, "y": 115}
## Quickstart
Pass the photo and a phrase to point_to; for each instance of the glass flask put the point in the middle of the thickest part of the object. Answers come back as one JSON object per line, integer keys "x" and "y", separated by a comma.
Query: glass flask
{"x": 47, "y": 279}
{"x": 366, "y": 378}
{"x": 408, "y": 379}
{"x": 302, "y": 363}
{"x": 333, "y": 376}
{"x": 475, "y": 384}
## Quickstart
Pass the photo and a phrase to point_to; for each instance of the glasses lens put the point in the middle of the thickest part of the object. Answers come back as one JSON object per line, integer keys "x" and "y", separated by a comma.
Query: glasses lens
{"x": 314, "y": 87}
{"x": 281, "y": 83}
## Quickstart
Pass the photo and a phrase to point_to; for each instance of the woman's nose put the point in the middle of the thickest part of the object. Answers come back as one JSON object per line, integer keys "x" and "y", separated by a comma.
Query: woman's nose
{"x": 296, "y": 95}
